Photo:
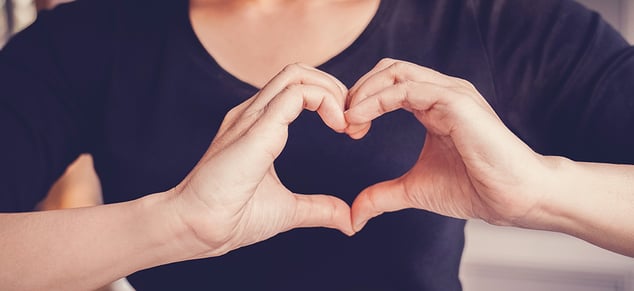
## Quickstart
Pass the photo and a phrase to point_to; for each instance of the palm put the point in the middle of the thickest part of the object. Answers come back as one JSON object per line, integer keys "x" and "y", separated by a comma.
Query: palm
{"x": 237, "y": 195}
{"x": 258, "y": 206}
{"x": 269, "y": 211}
{"x": 471, "y": 166}
{"x": 439, "y": 180}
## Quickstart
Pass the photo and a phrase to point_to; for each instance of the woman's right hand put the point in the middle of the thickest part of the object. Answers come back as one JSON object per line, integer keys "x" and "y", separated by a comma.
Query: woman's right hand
{"x": 233, "y": 197}
{"x": 473, "y": 166}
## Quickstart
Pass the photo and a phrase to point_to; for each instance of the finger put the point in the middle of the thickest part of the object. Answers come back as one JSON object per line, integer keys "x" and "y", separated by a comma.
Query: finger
{"x": 386, "y": 74}
{"x": 381, "y": 65}
{"x": 273, "y": 174}
{"x": 413, "y": 96}
{"x": 398, "y": 72}
{"x": 244, "y": 115}
{"x": 358, "y": 131}
{"x": 453, "y": 112}
{"x": 342, "y": 88}
{"x": 287, "y": 105}
{"x": 233, "y": 115}
{"x": 313, "y": 98}
{"x": 265, "y": 139}
{"x": 390, "y": 72}
{"x": 375, "y": 200}
{"x": 234, "y": 125}
{"x": 299, "y": 74}
{"x": 322, "y": 211}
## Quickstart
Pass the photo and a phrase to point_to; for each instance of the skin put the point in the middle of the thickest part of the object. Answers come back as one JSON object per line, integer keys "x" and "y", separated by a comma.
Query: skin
{"x": 472, "y": 166}
{"x": 253, "y": 40}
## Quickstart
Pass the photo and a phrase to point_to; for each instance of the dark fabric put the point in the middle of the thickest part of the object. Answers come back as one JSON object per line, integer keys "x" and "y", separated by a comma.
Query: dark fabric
{"x": 128, "y": 81}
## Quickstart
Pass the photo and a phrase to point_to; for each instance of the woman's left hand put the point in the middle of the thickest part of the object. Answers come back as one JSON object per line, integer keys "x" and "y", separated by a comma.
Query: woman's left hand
{"x": 471, "y": 165}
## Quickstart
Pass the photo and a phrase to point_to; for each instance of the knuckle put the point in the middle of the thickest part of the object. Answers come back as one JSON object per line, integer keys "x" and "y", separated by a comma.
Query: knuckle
{"x": 233, "y": 113}
{"x": 239, "y": 114}
{"x": 407, "y": 84}
{"x": 291, "y": 89}
{"x": 293, "y": 68}
{"x": 294, "y": 87}
{"x": 330, "y": 213}
{"x": 239, "y": 110}
{"x": 464, "y": 83}
{"x": 399, "y": 66}
{"x": 267, "y": 108}
{"x": 250, "y": 112}
{"x": 460, "y": 94}
{"x": 396, "y": 69}
{"x": 386, "y": 61}
{"x": 405, "y": 87}
{"x": 372, "y": 202}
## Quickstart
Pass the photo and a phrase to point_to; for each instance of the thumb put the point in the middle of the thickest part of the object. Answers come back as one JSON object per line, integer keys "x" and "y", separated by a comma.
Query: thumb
{"x": 322, "y": 211}
{"x": 375, "y": 200}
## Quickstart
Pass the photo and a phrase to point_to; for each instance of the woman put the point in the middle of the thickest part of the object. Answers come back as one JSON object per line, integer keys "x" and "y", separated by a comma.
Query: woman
{"x": 143, "y": 86}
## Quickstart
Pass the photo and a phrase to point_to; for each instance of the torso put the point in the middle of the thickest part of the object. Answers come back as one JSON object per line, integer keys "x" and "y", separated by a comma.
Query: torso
{"x": 161, "y": 99}
{"x": 185, "y": 95}
{"x": 254, "y": 42}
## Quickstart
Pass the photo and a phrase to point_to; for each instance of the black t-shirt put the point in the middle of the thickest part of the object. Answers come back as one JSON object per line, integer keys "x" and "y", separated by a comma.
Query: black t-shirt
{"x": 129, "y": 82}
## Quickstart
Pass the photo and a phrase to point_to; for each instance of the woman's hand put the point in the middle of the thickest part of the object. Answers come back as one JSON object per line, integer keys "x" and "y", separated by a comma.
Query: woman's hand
{"x": 471, "y": 165}
{"x": 233, "y": 197}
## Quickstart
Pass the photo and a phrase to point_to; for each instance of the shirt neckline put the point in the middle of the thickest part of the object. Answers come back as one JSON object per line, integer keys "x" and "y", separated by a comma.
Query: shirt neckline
{"x": 357, "y": 44}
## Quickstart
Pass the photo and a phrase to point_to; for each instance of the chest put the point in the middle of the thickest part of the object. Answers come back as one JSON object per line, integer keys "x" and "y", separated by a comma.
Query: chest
{"x": 167, "y": 100}
{"x": 254, "y": 44}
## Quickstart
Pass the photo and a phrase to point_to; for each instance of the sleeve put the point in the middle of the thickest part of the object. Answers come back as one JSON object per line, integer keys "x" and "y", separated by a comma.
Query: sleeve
{"x": 51, "y": 78}
{"x": 565, "y": 76}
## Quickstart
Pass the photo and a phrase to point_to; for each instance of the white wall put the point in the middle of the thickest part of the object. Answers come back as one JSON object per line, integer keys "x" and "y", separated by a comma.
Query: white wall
{"x": 619, "y": 13}
{"x": 502, "y": 258}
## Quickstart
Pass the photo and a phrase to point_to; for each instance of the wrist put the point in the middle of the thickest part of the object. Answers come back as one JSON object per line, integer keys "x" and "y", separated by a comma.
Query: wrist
{"x": 589, "y": 201}
{"x": 202, "y": 233}
{"x": 552, "y": 181}
{"x": 163, "y": 213}
{"x": 563, "y": 206}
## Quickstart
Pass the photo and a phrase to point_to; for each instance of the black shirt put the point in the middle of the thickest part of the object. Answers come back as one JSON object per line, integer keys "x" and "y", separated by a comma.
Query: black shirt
{"x": 129, "y": 82}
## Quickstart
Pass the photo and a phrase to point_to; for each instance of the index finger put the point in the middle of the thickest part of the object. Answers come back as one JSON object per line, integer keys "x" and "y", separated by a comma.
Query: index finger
{"x": 299, "y": 74}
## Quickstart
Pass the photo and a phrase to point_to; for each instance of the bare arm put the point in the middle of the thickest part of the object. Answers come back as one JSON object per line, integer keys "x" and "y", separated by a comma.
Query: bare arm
{"x": 592, "y": 201}
{"x": 86, "y": 248}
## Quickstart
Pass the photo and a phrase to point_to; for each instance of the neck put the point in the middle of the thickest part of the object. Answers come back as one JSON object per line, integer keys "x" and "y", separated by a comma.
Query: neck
{"x": 257, "y": 4}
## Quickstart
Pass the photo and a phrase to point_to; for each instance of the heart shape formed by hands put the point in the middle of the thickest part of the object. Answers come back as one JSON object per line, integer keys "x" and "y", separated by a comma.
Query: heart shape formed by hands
{"x": 238, "y": 196}
{"x": 467, "y": 149}
{"x": 471, "y": 165}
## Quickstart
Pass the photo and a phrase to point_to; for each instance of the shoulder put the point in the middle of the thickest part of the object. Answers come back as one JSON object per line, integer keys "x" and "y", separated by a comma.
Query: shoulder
{"x": 97, "y": 17}
{"x": 79, "y": 40}
{"x": 528, "y": 10}
{"x": 528, "y": 18}
{"x": 84, "y": 20}
{"x": 552, "y": 39}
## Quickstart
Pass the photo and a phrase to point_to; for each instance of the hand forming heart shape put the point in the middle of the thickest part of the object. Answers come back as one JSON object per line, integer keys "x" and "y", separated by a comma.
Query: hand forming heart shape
{"x": 471, "y": 165}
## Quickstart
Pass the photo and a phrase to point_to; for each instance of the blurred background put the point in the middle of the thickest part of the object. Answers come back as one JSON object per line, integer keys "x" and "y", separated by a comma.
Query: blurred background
{"x": 495, "y": 258}
{"x": 15, "y": 15}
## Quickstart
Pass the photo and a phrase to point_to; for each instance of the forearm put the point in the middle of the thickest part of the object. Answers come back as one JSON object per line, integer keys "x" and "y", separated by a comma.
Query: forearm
{"x": 85, "y": 248}
{"x": 591, "y": 201}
